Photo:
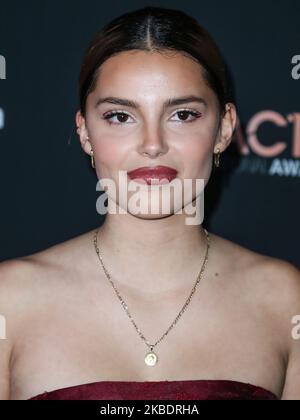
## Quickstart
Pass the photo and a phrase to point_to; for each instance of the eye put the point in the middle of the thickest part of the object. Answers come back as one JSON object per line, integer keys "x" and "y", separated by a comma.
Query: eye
{"x": 184, "y": 114}
{"x": 120, "y": 115}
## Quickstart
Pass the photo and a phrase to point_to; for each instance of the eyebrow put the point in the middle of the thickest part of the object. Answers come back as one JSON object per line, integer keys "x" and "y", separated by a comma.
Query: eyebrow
{"x": 168, "y": 103}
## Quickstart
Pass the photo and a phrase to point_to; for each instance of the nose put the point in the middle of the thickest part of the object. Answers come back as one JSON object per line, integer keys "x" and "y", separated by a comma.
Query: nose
{"x": 153, "y": 143}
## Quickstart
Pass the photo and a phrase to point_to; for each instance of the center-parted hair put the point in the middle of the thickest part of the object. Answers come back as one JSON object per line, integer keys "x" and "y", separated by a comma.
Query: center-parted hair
{"x": 155, "y": 29}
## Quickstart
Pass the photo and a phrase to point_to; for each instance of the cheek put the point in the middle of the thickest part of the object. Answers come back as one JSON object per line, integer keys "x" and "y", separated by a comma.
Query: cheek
{"x": 196, "y": 154}
{"x": 109, "y": 149}
{"x": 197, "y": 164}
{"x": 109, "y": 154}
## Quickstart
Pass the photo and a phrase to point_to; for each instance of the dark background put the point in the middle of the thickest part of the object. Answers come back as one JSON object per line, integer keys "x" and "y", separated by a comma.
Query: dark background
{"x": 47, "y": 185}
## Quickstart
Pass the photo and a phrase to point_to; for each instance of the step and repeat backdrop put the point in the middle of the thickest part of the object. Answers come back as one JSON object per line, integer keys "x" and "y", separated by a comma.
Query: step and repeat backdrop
{"x": 47, "y": 185}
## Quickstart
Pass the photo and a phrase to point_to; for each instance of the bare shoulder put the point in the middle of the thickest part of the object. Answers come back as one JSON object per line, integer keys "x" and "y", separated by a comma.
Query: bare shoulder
{"x": 16, "y": 277}
{"x": 254, "y": 266}
{"x": 271, "y": 281}
{"x": 39, "y": 283}
{"x": 32, "y": 288}
{"x": 24, "y": 279}
{"x": 267, "y": 291}
{"x": 16, "y": 304}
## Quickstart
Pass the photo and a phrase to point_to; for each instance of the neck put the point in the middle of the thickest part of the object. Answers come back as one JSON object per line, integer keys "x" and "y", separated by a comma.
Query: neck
{"x": 154, "y": 256}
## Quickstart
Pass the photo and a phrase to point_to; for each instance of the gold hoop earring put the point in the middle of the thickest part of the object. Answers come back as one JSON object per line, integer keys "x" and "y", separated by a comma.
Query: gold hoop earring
{"x": 217, "y": 158}
{"x": 92, "y": 159}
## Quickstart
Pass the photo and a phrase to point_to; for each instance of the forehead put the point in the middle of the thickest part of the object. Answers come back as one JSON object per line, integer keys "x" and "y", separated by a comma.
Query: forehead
{"x": 142, "y": 72}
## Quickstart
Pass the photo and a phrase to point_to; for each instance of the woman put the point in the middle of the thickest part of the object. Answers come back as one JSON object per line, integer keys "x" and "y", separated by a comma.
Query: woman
{"x": 153, "y": 92}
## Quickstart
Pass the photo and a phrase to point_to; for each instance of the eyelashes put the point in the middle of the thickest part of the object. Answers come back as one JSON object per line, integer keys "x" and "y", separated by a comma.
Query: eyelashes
{"x": 183, "y": 112}
{"x": 113, "y": 114}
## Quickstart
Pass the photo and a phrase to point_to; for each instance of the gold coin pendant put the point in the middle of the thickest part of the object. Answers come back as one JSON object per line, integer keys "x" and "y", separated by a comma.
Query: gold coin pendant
{"x": 151, "y": 358}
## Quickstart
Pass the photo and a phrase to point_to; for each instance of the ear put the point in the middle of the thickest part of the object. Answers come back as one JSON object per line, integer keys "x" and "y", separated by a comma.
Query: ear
{"x": 226, "y": 128}
{"x": 83, "y": 133}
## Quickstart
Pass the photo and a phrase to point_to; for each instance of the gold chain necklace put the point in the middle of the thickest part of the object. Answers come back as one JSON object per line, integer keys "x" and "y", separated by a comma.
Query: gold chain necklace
{"x": 151, "y": 358}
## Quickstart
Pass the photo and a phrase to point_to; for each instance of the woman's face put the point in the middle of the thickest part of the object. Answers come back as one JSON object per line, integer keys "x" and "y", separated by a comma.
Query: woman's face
{"x": 182, "y": 135}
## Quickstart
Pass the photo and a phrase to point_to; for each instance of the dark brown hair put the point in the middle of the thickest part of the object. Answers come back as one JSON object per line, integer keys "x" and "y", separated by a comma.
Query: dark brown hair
{"x": 160, "y": 30}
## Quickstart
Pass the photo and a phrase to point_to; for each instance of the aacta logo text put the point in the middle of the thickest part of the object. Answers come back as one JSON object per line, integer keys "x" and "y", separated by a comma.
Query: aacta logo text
{"x": 274, "y": 153}
{"x": 253, "y": 142}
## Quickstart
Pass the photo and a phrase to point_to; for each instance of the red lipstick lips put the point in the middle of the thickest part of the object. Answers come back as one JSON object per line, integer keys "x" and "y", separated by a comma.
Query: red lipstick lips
{"x": 153, "y": 174}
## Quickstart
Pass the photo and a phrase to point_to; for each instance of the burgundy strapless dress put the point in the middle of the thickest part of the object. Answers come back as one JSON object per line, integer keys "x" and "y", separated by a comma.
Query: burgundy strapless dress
{"x": 160, "y": 390}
